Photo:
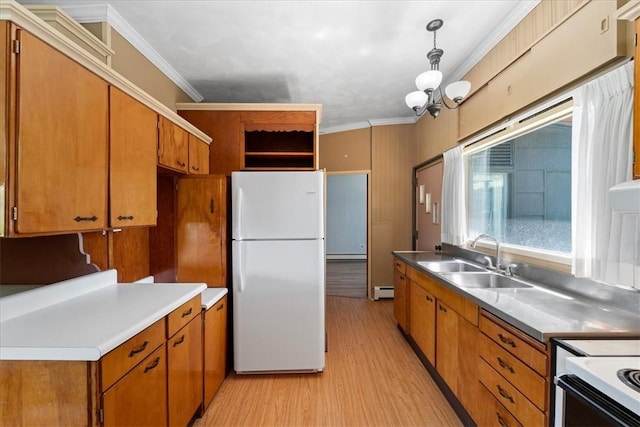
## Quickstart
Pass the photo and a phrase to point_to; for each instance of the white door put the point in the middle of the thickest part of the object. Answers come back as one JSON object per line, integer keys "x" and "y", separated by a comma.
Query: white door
{"x": 278, "y": 305}
{"x": 277, "y": 205}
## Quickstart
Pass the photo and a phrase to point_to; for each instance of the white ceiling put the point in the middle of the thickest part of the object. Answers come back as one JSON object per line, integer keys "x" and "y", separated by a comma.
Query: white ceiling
{"x": 357, "y": 58}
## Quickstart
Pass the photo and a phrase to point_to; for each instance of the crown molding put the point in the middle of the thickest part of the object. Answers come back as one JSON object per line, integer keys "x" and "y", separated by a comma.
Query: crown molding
{"x": 102, "y": 12}
{"x": 344, "y": 128}
{"x": 394, "y": 121}
{"x": 501, "y": 30}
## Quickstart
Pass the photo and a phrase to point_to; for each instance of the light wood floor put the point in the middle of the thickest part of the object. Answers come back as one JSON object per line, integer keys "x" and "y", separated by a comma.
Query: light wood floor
{"x": 347, "y": 278}
{"x": 371, "y": 378}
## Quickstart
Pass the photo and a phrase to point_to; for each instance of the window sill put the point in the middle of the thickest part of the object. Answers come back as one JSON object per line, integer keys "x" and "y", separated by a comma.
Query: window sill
{"x": 557, "y": 261}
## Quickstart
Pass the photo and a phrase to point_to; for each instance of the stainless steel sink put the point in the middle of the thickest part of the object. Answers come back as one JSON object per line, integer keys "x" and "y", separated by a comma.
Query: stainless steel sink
{"x": 484, "y": 281}
{"x": 453, "y": 266}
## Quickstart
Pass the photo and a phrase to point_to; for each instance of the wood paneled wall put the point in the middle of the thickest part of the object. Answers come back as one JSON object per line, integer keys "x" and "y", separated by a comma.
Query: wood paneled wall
{"x": 393, "y": 154}
{"x": 435, "y": 136}
{"x": 346, "y": 151}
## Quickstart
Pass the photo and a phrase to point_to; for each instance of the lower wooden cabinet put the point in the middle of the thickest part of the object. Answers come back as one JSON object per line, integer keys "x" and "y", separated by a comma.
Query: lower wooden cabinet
{"x": 184, "y": 376}
{"x": 422, "y": 320}
{"x": 492, "y": 413}
{"x": 215, "y": 349}
{"x": 400, "y": 295}
{"x": 140, "y": 397}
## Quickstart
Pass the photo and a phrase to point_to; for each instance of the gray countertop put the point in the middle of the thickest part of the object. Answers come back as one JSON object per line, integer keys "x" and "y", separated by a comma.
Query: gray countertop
{"x": 544, "y": 311}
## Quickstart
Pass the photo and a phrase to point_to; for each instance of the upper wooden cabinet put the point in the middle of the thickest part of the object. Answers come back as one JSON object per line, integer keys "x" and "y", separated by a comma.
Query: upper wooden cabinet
{"x": 258, "y": 136}
{"x": 58, "y": 112}
{"x": 173, "y": 146}
{"x": 133, "y": 137}
{"x": 198, "y": 156}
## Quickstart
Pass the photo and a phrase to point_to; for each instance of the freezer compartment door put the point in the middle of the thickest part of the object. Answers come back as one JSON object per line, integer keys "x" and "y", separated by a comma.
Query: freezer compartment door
{"x": 277, "y": 205}
{"x": 278, "y": 305}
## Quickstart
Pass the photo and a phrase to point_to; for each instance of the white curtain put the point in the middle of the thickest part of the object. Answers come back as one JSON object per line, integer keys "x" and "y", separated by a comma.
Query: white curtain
{"x": 604, "y": 242}
{"x": 454, "y": 212}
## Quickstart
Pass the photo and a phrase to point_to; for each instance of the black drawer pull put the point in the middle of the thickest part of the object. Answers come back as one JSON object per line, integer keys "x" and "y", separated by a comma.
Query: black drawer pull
{"x": 501, "y": 421}
{"x": 188, "y": 312}
{"x": 85, "y": 218}
{"x": 429, "y": 298}
{"x": 123, "y": 218}
{"x": 507, "y": 340}
{"x": 504, "y": 365}
{"x": 441, "y": 308}
{"x": 179, "y": 341}
{"x": 505, "y": 394}
{"x": 153, "y": 365}
{"x": 139, "y": 349}
{"x": 220, "y": 308}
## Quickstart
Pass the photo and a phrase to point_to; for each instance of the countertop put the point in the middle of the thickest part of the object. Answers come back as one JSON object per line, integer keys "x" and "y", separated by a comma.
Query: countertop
{"x": 543, "y": 311}
{"x": 84, "y": 318}
{"x": 210, "y": 296}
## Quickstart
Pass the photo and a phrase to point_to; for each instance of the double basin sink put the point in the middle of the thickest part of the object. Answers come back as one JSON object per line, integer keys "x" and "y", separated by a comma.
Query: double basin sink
{"x": 467, "y": 275}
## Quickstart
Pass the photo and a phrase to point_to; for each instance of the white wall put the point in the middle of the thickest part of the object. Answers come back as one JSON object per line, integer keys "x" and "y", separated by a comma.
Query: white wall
{"x": 347, "y": 215}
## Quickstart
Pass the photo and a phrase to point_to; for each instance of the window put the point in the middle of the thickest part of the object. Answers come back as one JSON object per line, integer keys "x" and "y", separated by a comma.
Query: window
{"x": 519, "y": 189}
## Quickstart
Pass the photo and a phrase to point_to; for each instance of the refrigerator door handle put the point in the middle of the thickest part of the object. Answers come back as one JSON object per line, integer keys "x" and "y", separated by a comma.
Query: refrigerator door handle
{"x": 238, "y": 214}
{"x": 240, "y": 268}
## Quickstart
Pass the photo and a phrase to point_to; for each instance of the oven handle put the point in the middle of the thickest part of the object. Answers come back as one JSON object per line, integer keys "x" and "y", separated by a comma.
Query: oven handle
{"x": 602, "y": 403}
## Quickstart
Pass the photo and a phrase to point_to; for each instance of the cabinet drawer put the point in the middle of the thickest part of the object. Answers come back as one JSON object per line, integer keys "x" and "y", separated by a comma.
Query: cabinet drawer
{"x": 492, "y": 413}
{"x": 183, "y": 315}
{"x": 423, "y": 281}
{"x": 400, "y": 266}
{"x": 515, "y": 402}
{"x": 464, "y": 307}
{"x": 532, "y": 385}
{"x": 121, "y": 359}
{"x": 515, "y": 342}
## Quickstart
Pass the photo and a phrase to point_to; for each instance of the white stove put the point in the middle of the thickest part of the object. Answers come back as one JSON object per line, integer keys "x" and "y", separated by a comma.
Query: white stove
{"x": 602, "y": 374}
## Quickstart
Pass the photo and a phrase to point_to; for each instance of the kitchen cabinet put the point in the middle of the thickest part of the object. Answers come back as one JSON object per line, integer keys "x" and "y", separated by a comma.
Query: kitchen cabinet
{"x": 198, "y": 156}
{"x": 258, "y": 136}
{"x": 140, "y": 397}
{"x": 133, "y": 136}
{"x": 201, "y": 230}
{"x": 59, "y": 142}
{"x": 422, "y": 320}
{"x": 215, "y": 349}
{"x": 173, "y": 146}
{"x": 514, "y": 370}
{"x": 400, "y": 295}
{"x": 447, "y": 348}
{"x": 184, "y": 376}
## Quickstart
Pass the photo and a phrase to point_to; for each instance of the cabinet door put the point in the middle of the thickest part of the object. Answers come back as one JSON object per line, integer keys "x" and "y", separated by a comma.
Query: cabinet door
{"x": 184, "y": 353}
{"x": 140, "y": 397}
{"x": 201, "y": 230}
{"x": 447, "y": 348}
{"x": 173, "y": 146}
{"x": 400, "y": 299}
{"x": 133, "y": 137}
{"x": 198, "y": 156}
{"x": 61, "y": 170}
{"x": 467, "y": 371}
{"x": 215, "y": 349}
{"x": 422, "y": 320}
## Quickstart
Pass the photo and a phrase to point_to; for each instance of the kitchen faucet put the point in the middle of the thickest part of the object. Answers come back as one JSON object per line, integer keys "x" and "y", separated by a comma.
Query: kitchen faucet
{"x": 498, "y": 250}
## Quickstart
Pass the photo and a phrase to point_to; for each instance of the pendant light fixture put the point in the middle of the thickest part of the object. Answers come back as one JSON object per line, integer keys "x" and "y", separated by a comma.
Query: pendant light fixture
{"x": 428, "y": 83}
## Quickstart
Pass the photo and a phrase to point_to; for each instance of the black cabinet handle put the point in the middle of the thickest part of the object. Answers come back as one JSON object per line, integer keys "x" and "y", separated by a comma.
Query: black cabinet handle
{"x": 441, "y": 308}
{"x": 195, "y": 168}
{"x": 85, "y": 218}
{"x": 153, "y": 365}
{"x": 504, "y": 365}
{"x": 507, "y": 340}
{"x": 179, "y": 341}
{"x": 188, "y": 312}
{"x": 220, "y": 308}
{"x": 182, "y": 164}
{"x": 211, "y": 206}
{"x": 125, "y": 218}
{"x": 505, "y": 394}
{"x": 139, "y": 349}
{"x": 429, "y": 298}
{"x": 501, "y": 421}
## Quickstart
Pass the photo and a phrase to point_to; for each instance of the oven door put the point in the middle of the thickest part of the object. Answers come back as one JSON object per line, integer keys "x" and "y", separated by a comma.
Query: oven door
{"x": 583, "y": 405}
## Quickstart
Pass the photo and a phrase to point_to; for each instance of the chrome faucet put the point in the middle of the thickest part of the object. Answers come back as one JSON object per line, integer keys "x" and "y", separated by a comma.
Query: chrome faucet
{"x": 498, "y": 249}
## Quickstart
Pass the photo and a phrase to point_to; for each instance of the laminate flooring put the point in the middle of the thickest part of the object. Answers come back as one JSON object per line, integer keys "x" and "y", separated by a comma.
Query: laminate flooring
{"x": 372, "y": 378}
{"x": 346, "y": 278}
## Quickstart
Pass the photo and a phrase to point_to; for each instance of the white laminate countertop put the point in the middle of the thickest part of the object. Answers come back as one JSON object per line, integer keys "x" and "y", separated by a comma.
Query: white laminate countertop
{"x": 210, "y": 296}
{"x": 88, "y": 322}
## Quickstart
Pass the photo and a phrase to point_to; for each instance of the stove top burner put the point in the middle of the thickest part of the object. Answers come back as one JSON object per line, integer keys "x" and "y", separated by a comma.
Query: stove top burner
{"x": 630, "y": 377}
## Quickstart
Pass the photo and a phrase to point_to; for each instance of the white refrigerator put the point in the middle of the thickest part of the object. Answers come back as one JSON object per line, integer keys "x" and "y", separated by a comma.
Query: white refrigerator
{"x": 278, "y": 274}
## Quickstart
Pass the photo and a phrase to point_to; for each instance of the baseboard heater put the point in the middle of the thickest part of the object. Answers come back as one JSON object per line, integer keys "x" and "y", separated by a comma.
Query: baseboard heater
{"x": 382, "y": 292}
